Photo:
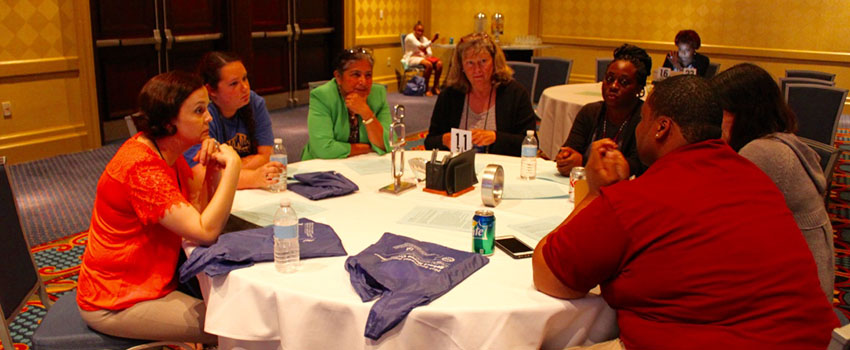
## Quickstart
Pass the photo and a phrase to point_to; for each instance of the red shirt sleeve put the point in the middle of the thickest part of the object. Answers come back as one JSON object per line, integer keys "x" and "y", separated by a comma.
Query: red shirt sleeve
{"x": 153, "y": 189}
{"x": 588, "y": 250}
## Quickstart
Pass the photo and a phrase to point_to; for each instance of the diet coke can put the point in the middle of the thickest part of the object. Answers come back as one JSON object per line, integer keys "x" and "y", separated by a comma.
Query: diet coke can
{"x": 578, "y": 173}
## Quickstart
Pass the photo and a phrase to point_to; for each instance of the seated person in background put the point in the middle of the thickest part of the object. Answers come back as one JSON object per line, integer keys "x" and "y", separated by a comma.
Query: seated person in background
{"x": 239, "y": 119}
{"x": 127, "y": 285}
{"x": 481, "y": 96}
{"x": 348, "y": 115}
{"x": 759, "y": 125}
{"x": 698, "y": 253}
{"x": 688, "y": 43}
{"x": 615, "y": 117}
{"x": 417, "y": 50}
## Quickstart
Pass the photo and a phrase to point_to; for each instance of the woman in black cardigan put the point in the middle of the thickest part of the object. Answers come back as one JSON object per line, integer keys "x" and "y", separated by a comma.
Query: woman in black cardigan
{"x": 482, "y": 97}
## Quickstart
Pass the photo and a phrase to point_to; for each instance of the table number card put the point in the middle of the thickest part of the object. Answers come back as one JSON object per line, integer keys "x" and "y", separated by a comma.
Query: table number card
{"x": 461, "y": 140}
{"x": 663, "y": 73}
{"x": 689, "y": 71}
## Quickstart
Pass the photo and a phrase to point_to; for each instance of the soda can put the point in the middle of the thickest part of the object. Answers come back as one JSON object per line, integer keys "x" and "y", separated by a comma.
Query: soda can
{"x": 578, "y": 173}
{"x": 483, "y": 232}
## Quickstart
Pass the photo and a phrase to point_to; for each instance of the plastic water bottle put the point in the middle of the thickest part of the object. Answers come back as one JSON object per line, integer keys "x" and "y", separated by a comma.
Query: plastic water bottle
{"x": 287, "y": 252}
{"x": 279, "y": 155}
{"x": 528, "y": 169}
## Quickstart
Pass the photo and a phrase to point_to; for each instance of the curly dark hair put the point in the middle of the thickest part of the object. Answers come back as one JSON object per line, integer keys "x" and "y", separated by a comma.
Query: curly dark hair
{"x": 638, "y": 57}
{"x": 349, "y": 56}
{"x": 750, "y": 93}
{"x": 691, "y": 103}
{"x": 160, "y": 101}
{"x": 210, "y": 71}
{"x": 690, "y": 37}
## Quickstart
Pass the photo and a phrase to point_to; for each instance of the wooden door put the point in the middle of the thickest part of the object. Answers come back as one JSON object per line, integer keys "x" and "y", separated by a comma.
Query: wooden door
{"x": 271, "y": 33}
{"x": 318, "y": 39}
{"x": 192, "y": 28}
{"x": 127, "y": 52}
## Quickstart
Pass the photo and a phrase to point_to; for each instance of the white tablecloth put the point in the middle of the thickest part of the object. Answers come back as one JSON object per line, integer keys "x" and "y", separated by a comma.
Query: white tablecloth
{"x": 558, "y": 108}
{"x": 317, "y": 308}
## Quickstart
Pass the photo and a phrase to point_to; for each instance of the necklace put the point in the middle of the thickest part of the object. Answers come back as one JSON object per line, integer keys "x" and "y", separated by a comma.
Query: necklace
{"x": 619, "y": 131}
{"x": 176, "y": 175}
{"x": 486, "y": 117}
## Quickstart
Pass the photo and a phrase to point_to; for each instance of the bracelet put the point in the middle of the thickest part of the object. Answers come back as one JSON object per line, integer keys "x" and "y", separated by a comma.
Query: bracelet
{"x": 367, "y": 122}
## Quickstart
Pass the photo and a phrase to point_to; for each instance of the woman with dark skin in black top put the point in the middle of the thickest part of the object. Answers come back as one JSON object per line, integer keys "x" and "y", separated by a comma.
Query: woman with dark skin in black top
{"x": 616, "y": 116}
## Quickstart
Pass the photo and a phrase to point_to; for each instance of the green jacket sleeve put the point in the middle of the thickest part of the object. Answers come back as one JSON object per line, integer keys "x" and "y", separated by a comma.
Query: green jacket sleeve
{"x": 323, "y": 122}
{"x": 377, "y": 101}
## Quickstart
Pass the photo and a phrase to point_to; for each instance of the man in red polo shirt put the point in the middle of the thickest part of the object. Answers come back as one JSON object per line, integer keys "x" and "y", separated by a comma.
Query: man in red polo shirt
{"x": 700, "y": 252}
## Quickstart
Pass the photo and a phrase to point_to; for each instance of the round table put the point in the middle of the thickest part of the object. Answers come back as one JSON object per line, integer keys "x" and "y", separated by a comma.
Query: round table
{"x": 497, "y": 307}
{"x": 557, "y": 108}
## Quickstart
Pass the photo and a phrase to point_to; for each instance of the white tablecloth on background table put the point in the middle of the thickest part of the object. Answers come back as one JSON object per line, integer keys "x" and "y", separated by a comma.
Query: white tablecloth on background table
{"x": 497, "y": 307}
{"x": 557, "y": 108}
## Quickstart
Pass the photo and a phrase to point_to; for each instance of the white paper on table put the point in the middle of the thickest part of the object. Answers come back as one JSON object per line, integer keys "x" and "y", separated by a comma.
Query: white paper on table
{"x": 461, "y": 140}
{"x": 263, "y": 215}
{"x": 538, "y": 228}
{"x": 447, "y": 219}
{"x": 532, "y": 190}
{"x": 370, "y": 166}
{"x": 555, "y": 177}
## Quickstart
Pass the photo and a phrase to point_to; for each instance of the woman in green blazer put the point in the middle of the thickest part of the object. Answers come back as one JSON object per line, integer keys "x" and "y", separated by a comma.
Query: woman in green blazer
{"x": 348, "y": 116}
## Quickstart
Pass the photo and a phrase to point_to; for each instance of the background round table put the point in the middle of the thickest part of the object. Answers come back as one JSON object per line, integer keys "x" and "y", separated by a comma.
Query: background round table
{"x": 557, "y": 108}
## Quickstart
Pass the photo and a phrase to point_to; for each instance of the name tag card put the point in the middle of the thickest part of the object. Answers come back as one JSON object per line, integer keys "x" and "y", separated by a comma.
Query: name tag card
{"x": 689, "y": 71}
{"x": 461, "y": 140}
{"x": 663, "y": 73}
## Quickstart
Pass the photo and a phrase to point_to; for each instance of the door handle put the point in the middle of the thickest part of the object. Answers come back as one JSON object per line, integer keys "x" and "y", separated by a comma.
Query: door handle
{"x": 153, "y": 40}
{"x": 314, "y": 31}
{"x": 197, "y": 37}
{"x": 297, "y": 31}
{"x": 169, "y": 39}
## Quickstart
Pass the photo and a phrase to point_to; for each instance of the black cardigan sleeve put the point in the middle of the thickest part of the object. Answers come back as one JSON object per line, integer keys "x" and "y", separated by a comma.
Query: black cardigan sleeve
{"x": 446, "y": 115}
{"x": 514, "y": 116}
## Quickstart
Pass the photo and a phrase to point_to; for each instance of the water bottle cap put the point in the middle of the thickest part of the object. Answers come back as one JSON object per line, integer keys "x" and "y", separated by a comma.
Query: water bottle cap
{"x": 278, "y": 140}
{"x": 529, "y": 133}
{"x": 284, "y": 202}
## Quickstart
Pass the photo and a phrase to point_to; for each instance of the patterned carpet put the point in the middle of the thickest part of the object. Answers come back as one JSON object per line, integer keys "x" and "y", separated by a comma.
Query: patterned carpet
{"x": 59, "y": 260}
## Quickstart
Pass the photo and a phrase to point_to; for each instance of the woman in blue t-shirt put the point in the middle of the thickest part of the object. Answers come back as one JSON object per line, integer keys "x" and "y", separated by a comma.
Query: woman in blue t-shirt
{"x": 239, "y": 119}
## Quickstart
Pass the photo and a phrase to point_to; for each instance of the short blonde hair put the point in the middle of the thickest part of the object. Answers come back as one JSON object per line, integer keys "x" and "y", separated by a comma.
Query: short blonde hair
{"x": 478, "y": 42}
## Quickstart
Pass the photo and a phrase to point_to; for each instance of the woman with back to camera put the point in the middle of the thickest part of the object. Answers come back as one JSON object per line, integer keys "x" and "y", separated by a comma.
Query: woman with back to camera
{"x": 615, "y": 117}
{"x": 759, "y": 126}
{"x": 688, "y": 42}
{"x": 239, "y": 119}
{"x": 481, "y": 96}
{"x": 348, "y": 115}
{"x": 142, "y": 211}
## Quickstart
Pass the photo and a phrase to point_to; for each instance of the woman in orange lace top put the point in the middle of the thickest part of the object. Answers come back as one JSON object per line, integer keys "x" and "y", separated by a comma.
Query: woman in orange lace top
{"x": 142, "y": 211}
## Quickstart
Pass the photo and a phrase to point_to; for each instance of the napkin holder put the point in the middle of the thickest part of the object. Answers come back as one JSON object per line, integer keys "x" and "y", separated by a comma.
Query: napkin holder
{"x": 452, "y": 177}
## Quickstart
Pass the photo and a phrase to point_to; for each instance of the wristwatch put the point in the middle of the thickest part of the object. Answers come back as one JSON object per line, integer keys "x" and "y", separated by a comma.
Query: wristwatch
{"x": 369, "y": 121}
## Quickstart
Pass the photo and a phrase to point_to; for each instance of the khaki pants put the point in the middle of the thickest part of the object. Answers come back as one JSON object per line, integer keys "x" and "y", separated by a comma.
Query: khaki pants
{"x": 174, "y": 317}
{"x": 614, "y": 344}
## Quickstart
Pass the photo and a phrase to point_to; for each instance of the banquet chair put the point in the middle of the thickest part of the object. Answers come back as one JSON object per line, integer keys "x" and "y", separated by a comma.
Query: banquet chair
{"x": 818, "y": 109}
{"x": 526, "y": 74}
{"x": 812, "y": 74}
{"x": 62, "y": 327}
{"x": 712, "y": 69}
{"x": 417, "y": 69}
{"x": 551, "y": 71}
{"x": 602, "y": 67}
{"x": 19, "y": 278}
{"x": 840, "y": 338}
{"x": 783, "y": 82}
{"x": 828, "y": 158}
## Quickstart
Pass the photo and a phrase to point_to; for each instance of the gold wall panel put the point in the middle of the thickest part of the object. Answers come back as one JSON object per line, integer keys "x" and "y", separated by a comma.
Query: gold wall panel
{"x": 818, "y": 25}
{"x": 456, "y": 18}
{"x": 31, "y": 29}
{"x": 399, "y": 17}
{"x": 48, "y": 76}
